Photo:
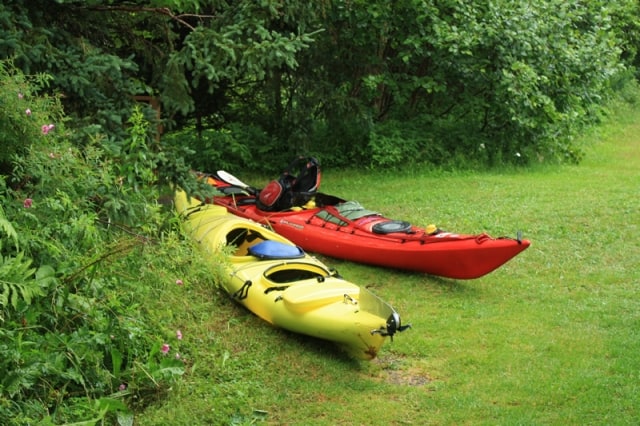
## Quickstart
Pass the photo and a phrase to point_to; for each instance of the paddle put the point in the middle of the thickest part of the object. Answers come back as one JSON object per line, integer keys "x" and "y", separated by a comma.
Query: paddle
{"x": 234, "y": 181}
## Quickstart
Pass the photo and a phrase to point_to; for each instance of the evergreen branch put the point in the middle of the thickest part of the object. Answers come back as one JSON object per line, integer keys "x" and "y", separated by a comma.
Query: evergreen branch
{"x": 180, "y": 18}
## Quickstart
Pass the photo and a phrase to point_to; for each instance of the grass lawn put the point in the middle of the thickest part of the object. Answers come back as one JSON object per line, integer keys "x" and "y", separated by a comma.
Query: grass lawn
{"x": 552, "y": 337}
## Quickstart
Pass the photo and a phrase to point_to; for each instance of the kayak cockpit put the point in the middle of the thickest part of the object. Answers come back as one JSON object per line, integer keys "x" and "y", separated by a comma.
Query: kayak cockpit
{"x": 294, "y": 272}
{"x": 250, "y": 242}
{"x": 243, "y": 238}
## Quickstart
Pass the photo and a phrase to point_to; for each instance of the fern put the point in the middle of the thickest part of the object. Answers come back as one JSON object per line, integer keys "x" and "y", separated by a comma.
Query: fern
{"x": 7, "y": 228}
{"x": 20, "y": 281}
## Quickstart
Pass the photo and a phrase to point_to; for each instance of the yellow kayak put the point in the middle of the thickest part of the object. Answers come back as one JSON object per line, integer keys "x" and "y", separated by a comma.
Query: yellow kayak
{"x": 280, "y": 283}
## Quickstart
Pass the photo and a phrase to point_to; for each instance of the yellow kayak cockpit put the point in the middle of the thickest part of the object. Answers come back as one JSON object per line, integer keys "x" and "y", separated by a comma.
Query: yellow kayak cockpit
{"x": 293, "y": 272}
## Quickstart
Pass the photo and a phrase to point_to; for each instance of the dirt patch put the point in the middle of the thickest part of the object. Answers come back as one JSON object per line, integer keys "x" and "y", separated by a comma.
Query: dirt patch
{"x": 399, "y": 371}
{"x": 406, "y": 378}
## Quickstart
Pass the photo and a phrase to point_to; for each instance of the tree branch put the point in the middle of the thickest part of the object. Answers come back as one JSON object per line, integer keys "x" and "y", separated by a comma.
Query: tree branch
{"x": 158, "y": 10}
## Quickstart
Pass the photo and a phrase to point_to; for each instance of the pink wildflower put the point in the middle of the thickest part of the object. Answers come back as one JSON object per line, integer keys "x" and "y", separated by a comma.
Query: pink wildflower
{"x": 28, "y": 203}
{"x": 28, "y": 112}
{"x": 46, "y": 128}
{"x": 122, "y": 386}
{"x": 179, "y": 334}
{"x": 165, "y": 348}
{"x": 179, "y": 282}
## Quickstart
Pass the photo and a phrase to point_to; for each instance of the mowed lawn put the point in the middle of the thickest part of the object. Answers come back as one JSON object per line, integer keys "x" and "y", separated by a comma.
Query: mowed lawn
{"x": 552, "y": 337}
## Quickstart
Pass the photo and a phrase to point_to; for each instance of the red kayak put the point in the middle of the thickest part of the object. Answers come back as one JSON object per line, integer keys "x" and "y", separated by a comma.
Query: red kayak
{"x": 343, "y": 229}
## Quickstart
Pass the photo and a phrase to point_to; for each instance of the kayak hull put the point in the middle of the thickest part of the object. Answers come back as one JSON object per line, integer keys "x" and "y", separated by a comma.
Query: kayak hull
{"x": 452, "y": 257}
{"x": 445, "y": 254}
{"x": 297, "y": 293}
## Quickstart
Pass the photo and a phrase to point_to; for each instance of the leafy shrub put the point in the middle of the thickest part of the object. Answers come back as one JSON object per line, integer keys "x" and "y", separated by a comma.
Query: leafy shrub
{"x": 83, "y": 245}
{"x": 22, "y": 115}
{"x": 232, "y": 147}
{"x": 394, "y": 143}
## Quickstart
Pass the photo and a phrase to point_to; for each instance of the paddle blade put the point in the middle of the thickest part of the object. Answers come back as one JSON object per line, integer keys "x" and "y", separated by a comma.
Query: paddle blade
{"x": 231, "y": 179}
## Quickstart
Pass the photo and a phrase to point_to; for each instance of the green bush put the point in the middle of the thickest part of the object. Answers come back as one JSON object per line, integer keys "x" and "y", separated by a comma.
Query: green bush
{"x": 83, "y": 243}
{"x": 22, "y": 114}
{"x": 232, "y": 147}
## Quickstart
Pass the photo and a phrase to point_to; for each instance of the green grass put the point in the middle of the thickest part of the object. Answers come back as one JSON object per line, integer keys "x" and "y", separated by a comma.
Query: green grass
{"x": 553, "y": 337}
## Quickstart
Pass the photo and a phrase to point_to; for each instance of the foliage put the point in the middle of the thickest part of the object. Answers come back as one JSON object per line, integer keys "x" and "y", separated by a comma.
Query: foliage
{"x": 625, "y": 14}
{"x": 225, "y": 148}
{"x": 238, "y": 48}
{"x": 514, "y": 76}
{"x": 84, "y": 246}
{"x": 20, "y": 120}
{"x": 333, "y": 78}
{"x": 459, "y": 83}
{"x": 97, "y": 79}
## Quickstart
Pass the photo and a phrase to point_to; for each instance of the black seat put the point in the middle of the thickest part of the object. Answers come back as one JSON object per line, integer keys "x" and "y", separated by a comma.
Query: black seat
{"x": 392, "y": 226}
